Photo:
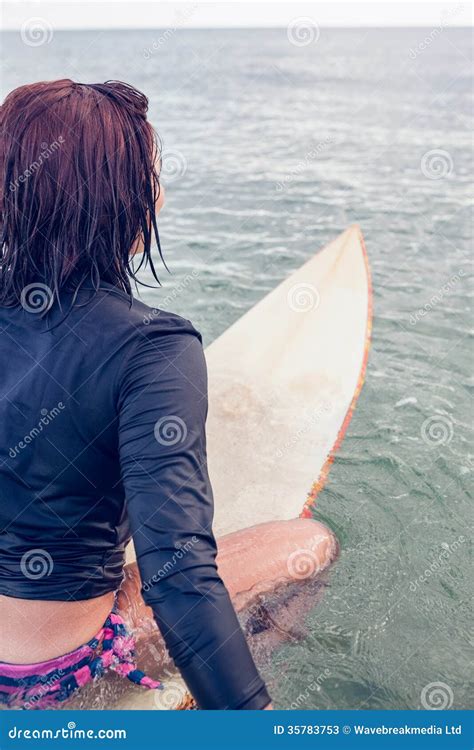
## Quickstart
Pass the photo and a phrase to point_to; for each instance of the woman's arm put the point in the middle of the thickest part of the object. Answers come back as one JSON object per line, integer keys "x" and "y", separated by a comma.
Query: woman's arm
{"x": 163, "y": 408}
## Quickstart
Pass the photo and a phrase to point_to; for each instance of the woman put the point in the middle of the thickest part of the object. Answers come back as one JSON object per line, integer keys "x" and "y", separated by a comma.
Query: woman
{"x": 90, "y": 377}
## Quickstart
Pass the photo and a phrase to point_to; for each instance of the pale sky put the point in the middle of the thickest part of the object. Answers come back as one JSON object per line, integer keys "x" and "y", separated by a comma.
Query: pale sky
{"x": 112, "y": 14}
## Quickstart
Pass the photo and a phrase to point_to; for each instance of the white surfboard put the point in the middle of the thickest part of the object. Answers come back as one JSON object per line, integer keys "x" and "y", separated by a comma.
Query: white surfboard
{"x": 283, "y": 382}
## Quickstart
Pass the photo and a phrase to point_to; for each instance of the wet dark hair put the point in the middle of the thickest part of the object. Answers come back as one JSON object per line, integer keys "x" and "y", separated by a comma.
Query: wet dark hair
{"x": 79, "y": 183}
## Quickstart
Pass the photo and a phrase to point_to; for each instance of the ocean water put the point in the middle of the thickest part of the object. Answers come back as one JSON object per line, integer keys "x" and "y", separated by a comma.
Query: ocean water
{"x": 272, "y": 147}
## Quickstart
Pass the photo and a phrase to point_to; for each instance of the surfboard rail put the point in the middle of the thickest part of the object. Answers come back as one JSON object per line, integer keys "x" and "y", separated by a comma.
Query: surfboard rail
{"x": 320, "y": 482}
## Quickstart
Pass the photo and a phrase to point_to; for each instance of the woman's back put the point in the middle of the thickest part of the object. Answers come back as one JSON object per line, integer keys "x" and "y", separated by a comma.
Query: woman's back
{"x": 60, "y": 474}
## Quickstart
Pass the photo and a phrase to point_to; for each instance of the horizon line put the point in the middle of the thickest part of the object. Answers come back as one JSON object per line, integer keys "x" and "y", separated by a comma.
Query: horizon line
{"x": 241, "y": 28}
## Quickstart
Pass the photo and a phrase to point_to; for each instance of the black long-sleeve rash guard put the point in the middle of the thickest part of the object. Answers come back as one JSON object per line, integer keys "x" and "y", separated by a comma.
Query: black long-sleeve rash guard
{"x": 102, "y": 436}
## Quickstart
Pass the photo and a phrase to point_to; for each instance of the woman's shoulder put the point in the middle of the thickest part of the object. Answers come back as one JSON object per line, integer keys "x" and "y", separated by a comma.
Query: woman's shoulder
{"x": 134, "y": 317}
{"x": 138, "y": 340}
{"x": 138, "y": 334}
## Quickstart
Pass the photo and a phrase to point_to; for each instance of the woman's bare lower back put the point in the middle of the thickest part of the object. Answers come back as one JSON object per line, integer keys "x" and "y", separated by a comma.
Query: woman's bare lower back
{"x": 32, "y": 630}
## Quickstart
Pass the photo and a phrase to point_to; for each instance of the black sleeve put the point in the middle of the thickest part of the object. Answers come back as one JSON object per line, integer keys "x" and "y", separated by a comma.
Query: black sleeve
{"x": 163, "y": 408}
